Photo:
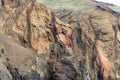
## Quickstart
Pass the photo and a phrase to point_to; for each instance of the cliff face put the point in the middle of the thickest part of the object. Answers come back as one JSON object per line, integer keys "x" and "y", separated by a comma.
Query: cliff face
{"x": 36, "y": 26}
{"x": 28, "y": 32}
{"x": 94, "y": 38}
{"x": 36, "y": 45}
{"x": 98, "y": 26}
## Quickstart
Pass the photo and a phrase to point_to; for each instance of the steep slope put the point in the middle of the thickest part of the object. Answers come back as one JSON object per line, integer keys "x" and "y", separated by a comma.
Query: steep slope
{"x": 34, "y": 26}
{"x": 94, "y": 24}
{"x": 27, "y": 33}
{"x": 38, "y": 28}
{"x": 39, "y": 46}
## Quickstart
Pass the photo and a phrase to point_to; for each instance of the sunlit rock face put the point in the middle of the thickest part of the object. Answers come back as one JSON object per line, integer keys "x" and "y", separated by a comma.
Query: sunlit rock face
{"x": 95, "y": 35}
{"x": 34, "y": 26}
{"x": 28, "y": 32}
{"x": 75, "y": 45}
{"x": 37, "y": 28}
{"x": 95, "y": 38}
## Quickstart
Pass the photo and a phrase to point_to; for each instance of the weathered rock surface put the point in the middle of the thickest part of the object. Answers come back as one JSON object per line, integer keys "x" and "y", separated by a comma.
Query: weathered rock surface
{"x": 39, "y": 46}
{"x": 98, "y": 24}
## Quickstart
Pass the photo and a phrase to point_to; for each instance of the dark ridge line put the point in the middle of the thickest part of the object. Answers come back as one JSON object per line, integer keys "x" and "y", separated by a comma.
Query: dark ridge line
{"x": 54, "y": 29}
{"x": 107, "y": 9}
{"x": 28, "y": 12}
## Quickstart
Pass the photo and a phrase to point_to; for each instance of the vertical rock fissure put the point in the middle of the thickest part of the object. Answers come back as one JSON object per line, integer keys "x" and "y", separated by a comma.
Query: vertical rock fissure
{"x": 12, "y": 19}
{"x": 28, "y": 12}
{"x": 99, "y": 74}
{"x": 54, "y": 29}
{"x": 79, "y": 32}
{"x": 93, "y": 28}
{"x": 116, "y": 43}
{"x": 82, "y": 44}
{"x": 85, "y": 73}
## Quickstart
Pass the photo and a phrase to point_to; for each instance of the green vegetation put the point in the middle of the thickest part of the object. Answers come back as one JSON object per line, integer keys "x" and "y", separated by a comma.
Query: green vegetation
{"x": 81, "y": 5}
{"x": 68, "y": 4}
{"x": 115, "y": 8}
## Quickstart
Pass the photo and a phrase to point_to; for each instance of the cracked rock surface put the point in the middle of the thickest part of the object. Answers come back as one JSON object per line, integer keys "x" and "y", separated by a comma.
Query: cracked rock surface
{"x": 37, "y": 43}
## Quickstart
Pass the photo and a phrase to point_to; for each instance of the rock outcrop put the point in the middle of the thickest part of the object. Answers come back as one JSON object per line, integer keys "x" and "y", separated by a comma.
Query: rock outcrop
{"x": 78, "y": 45}
{"x": 34, "y": 29}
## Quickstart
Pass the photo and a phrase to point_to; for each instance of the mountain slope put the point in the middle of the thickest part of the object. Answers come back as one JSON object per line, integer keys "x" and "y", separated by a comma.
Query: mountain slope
{"x": 81, "y": 44}
{"x": 81, "y": 5}
{"x": 28, "y": 32}
{"x": 95, "y": 22}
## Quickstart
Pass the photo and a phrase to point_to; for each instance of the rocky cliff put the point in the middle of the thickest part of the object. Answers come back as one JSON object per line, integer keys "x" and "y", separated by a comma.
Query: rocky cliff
{"x": 75, "y": 45}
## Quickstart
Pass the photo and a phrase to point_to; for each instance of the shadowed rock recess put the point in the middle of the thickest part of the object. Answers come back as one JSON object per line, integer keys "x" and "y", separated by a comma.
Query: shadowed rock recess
{"x": 59, "y": 43}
